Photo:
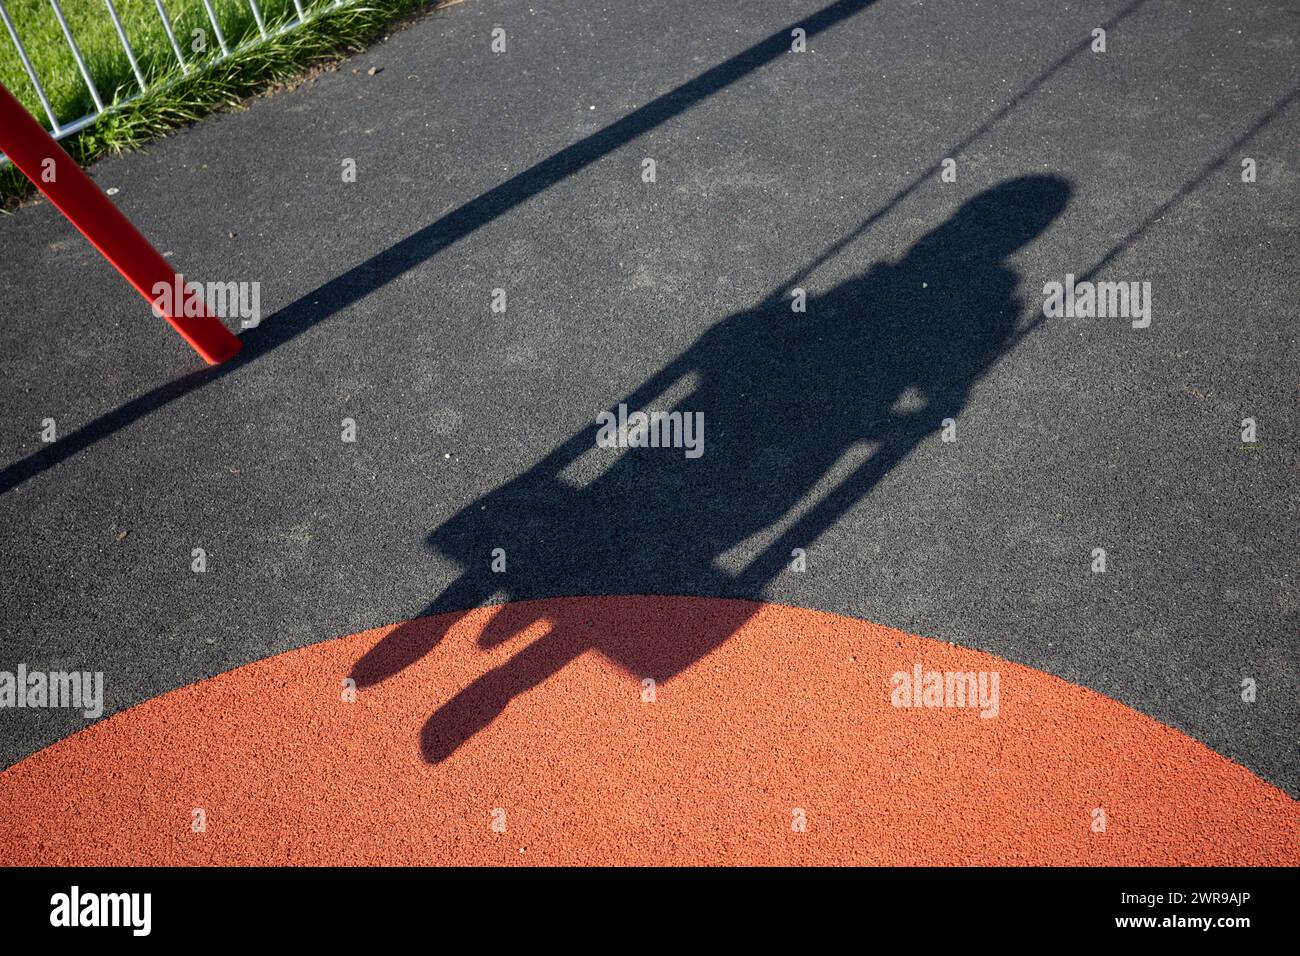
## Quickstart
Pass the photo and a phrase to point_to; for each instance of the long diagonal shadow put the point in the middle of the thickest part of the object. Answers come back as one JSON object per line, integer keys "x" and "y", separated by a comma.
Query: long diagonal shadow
{"x": 365, "y": 277}
{"x": 361, "y": 280}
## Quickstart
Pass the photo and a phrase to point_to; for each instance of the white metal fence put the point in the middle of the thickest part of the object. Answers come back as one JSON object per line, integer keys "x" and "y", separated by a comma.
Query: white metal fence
{"x": 61, "y": 129}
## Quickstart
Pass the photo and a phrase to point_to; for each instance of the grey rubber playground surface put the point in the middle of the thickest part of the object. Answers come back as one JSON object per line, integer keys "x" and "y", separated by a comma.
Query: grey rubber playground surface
{"x": 522, "y": 171}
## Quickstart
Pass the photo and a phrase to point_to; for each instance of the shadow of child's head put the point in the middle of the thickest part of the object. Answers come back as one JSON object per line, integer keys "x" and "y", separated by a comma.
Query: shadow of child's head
{"x": 994, "y": 224}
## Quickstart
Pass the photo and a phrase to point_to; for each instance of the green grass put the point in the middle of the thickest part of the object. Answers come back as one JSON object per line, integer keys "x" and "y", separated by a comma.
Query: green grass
{"x": 173, "y": 97}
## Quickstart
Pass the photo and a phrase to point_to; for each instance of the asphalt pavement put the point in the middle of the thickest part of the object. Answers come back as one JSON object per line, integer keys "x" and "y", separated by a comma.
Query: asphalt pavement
{"x": 824, "y": 429}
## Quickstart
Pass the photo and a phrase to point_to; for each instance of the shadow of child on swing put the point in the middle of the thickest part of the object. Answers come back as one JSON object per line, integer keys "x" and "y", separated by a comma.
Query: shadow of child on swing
{"x": 875, "y": 364}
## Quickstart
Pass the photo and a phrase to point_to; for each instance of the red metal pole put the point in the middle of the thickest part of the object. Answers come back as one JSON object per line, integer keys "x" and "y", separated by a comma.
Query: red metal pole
{"x": 73, "y": 193}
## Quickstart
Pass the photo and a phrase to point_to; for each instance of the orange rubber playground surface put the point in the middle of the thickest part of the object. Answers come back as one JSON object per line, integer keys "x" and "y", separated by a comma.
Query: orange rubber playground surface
{"x": 782, "y": 745}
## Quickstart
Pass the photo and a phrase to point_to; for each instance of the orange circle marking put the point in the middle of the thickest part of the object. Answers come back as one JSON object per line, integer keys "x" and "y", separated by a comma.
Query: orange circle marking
{"x": 787, "y": 720}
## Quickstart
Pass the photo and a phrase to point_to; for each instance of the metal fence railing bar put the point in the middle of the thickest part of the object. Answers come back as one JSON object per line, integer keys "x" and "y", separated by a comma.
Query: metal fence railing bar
{"x": 126, "y": 45}
{"x": 76, "y": 55}
{"x": 31, "y": 71}
{"x": 257, "y": 15}
{"x": 171, "y": 35}
{"x": 216, "y": 27}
